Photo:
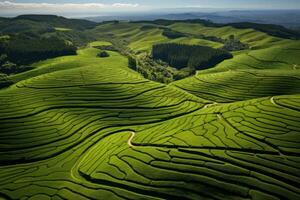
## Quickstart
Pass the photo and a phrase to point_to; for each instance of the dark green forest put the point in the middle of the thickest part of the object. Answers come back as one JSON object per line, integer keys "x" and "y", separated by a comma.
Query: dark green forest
{"x": 171, "y": 34}
{"x": 191, "y": 56}
{"x": 21, "y": 50}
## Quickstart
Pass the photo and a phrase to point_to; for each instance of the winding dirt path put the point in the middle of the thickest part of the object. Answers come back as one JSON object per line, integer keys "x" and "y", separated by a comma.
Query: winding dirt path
{"x": 130, "y": 139}
{"x": 209, "y": 105}
{"x": 273, "y": 101}
{"x": 295, "y": 66}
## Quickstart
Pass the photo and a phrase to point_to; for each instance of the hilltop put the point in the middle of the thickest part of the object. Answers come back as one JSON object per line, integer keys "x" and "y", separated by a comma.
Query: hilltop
{"x": 41, "y": 22}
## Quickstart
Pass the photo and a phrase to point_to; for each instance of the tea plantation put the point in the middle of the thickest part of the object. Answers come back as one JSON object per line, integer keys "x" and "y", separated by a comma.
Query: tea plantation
{"x": 85, "y": 127}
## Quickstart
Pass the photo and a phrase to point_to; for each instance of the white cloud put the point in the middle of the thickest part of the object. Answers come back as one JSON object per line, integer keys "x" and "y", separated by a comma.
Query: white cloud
{"x": 125, "y": 5}
{"x": 68, "y": 7}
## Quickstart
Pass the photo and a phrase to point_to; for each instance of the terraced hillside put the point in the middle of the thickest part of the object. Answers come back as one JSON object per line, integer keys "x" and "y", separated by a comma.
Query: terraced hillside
{"x": 85, "y": 127}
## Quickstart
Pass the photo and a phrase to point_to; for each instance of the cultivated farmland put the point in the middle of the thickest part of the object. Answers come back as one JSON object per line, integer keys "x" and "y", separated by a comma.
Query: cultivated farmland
{"x": 85, "y": 127}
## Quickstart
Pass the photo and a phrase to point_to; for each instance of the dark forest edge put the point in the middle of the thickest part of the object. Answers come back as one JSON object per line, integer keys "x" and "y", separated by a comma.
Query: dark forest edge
{"x": 194, "y": 57}
{"x": 270, "y": 29}
{"x": 170, "y": 61}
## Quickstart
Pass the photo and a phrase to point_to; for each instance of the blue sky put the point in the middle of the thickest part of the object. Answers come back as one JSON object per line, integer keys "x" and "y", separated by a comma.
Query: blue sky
{"x": 112, "y": 6}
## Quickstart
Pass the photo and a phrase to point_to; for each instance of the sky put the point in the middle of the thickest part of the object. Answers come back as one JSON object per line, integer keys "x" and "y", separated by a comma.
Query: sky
{"x": 104, "y": 7}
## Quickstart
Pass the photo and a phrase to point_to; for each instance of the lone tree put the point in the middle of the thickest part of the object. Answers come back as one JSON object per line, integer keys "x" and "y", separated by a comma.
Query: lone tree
{"x": 8, "y": 68}
{"x": 103, "y": 54}
{"x": 233, "y": 44}
{"x": 132, "y": 63}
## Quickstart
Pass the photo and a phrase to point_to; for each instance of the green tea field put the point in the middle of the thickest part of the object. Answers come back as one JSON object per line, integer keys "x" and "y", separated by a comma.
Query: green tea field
{"x": 88, "y": 127}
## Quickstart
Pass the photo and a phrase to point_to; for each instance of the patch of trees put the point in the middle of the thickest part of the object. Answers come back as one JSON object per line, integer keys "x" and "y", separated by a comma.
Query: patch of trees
{"x": 156, "y": 70}
{"x": 103, "y": 54}
{"x": 233, "y": 44}
{"x": 149, "y": 68}
{"x": 132, "y": 63}
{"x": 18, "y": 51}
{"x": 190, "y": 56}
{"x": 212, "y": 38}
{"x": 171, "y": 34}
{"x": 23, "y": 49}
{"x": 7, "y": 67}
{"x": 4, "y": 81}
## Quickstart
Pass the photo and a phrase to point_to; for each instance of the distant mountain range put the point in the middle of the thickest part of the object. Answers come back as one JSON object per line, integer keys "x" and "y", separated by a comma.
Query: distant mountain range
{"x": 287, "y": 18}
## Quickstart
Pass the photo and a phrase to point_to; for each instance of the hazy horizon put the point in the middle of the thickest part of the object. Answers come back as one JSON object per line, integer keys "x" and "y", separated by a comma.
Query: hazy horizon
{"x": 79, "y": 8}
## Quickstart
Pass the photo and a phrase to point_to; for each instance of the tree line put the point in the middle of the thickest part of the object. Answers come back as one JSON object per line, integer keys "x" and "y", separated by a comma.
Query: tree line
{"x": 21, "y": 50}
{"x": 191, "y": 56}
{"x": 171, "y": 34}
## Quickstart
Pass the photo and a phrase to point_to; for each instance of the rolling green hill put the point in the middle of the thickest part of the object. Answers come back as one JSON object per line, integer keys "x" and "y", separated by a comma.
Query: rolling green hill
{"x": 42, "y": 23}
{"x": 85, "y": 127}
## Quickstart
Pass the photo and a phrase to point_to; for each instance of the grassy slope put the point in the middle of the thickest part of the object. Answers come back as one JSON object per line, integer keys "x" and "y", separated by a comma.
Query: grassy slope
{"x": 143, "y": 40}
{"x": 254, "y": 38}
{"x": 270, "y": 68}
{"x": 91, "y": 128}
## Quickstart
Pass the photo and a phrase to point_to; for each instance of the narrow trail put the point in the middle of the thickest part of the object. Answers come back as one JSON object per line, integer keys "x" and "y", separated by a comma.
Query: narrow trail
{"x": 210, "y": 105}
{"x": 273, "y": 102}
{"x": 129, "y": 142}
{"x": 283, "y": 106}
{"x": 295, "y": 67}
{"x": 265, "y": 152}
{"x": 220, "y": 116}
